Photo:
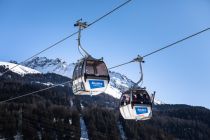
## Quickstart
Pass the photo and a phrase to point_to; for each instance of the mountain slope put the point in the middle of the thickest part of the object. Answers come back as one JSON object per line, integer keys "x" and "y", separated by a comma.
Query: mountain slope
{"x": 118, "y": 82}
{"x": 19, "y": 69}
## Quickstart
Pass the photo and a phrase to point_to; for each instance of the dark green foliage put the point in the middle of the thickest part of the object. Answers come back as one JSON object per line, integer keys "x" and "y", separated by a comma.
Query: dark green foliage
{"x": 48, "y": 113}
{"x": 49, "y": 122}
{"x": 8, "y": 119}
{"x": 101, "y": 124}
{"x": 101, "y": 100}
{"x": 172, "y": 122}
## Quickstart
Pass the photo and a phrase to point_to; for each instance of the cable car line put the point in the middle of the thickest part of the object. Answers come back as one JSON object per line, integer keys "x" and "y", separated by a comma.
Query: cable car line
{"x": 179, "y": 41}
{"x": 121, "y": 65}
{"x": 30, "y": 93}
{"x": 65, "y": 38}
{"x": 40, "y": 52}
{"x": 158, "y": 50}
{"x": 118, "y": 7}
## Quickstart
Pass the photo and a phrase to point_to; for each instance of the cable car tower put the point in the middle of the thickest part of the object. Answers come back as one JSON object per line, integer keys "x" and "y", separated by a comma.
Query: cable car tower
{"x": 90, "y": 76}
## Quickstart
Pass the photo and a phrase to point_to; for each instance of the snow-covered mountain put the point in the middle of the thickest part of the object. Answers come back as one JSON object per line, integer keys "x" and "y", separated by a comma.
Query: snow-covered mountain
{"x": 46, "y": 65}
{"x": 18, "y": 69}
{"x": 118, "y": 83}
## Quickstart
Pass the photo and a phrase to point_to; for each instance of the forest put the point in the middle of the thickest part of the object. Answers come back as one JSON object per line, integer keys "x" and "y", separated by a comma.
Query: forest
{"x": 55, "y": 114}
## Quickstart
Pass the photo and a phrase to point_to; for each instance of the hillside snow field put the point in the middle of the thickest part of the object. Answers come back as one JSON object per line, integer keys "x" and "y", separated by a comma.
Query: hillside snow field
{"x": 18, "y": 69}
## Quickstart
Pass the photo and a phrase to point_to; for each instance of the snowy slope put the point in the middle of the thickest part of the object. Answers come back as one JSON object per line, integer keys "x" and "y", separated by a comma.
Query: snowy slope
{"x": 120, "y": 81}
{"x": 118, "y": 84}
{"x": 116, "y": 93}
{"x": 19, "y": 69}
{"x": 83, "y": 129}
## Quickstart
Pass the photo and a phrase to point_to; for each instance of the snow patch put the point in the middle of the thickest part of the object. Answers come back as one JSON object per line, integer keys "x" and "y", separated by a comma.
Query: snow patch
{"x": 84, "y": 133}
{"x": 18, "y": 69}
{"x": 121, "y": 130}
{"x": 116, "y": 93}
{"x": 158, "y": 102}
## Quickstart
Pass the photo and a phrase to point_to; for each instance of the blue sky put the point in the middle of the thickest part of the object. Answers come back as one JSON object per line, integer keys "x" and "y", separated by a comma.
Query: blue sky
{"x": 179, "y": 74}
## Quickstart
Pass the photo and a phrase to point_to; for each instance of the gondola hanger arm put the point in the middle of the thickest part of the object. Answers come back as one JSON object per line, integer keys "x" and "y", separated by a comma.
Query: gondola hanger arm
{"x": 81, "y": 25}
{"x": 139, "y": 59}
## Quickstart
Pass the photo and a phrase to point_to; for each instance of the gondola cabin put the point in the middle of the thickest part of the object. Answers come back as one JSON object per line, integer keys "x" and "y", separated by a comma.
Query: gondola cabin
{"x": 136, "y": 105}
{"x": 90, "y": 77}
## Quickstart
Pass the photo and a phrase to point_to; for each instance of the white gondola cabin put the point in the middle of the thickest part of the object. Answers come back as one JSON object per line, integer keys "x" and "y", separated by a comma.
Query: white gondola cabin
{"x": 136, "y": 105}
{"x": 90, "y": 77}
